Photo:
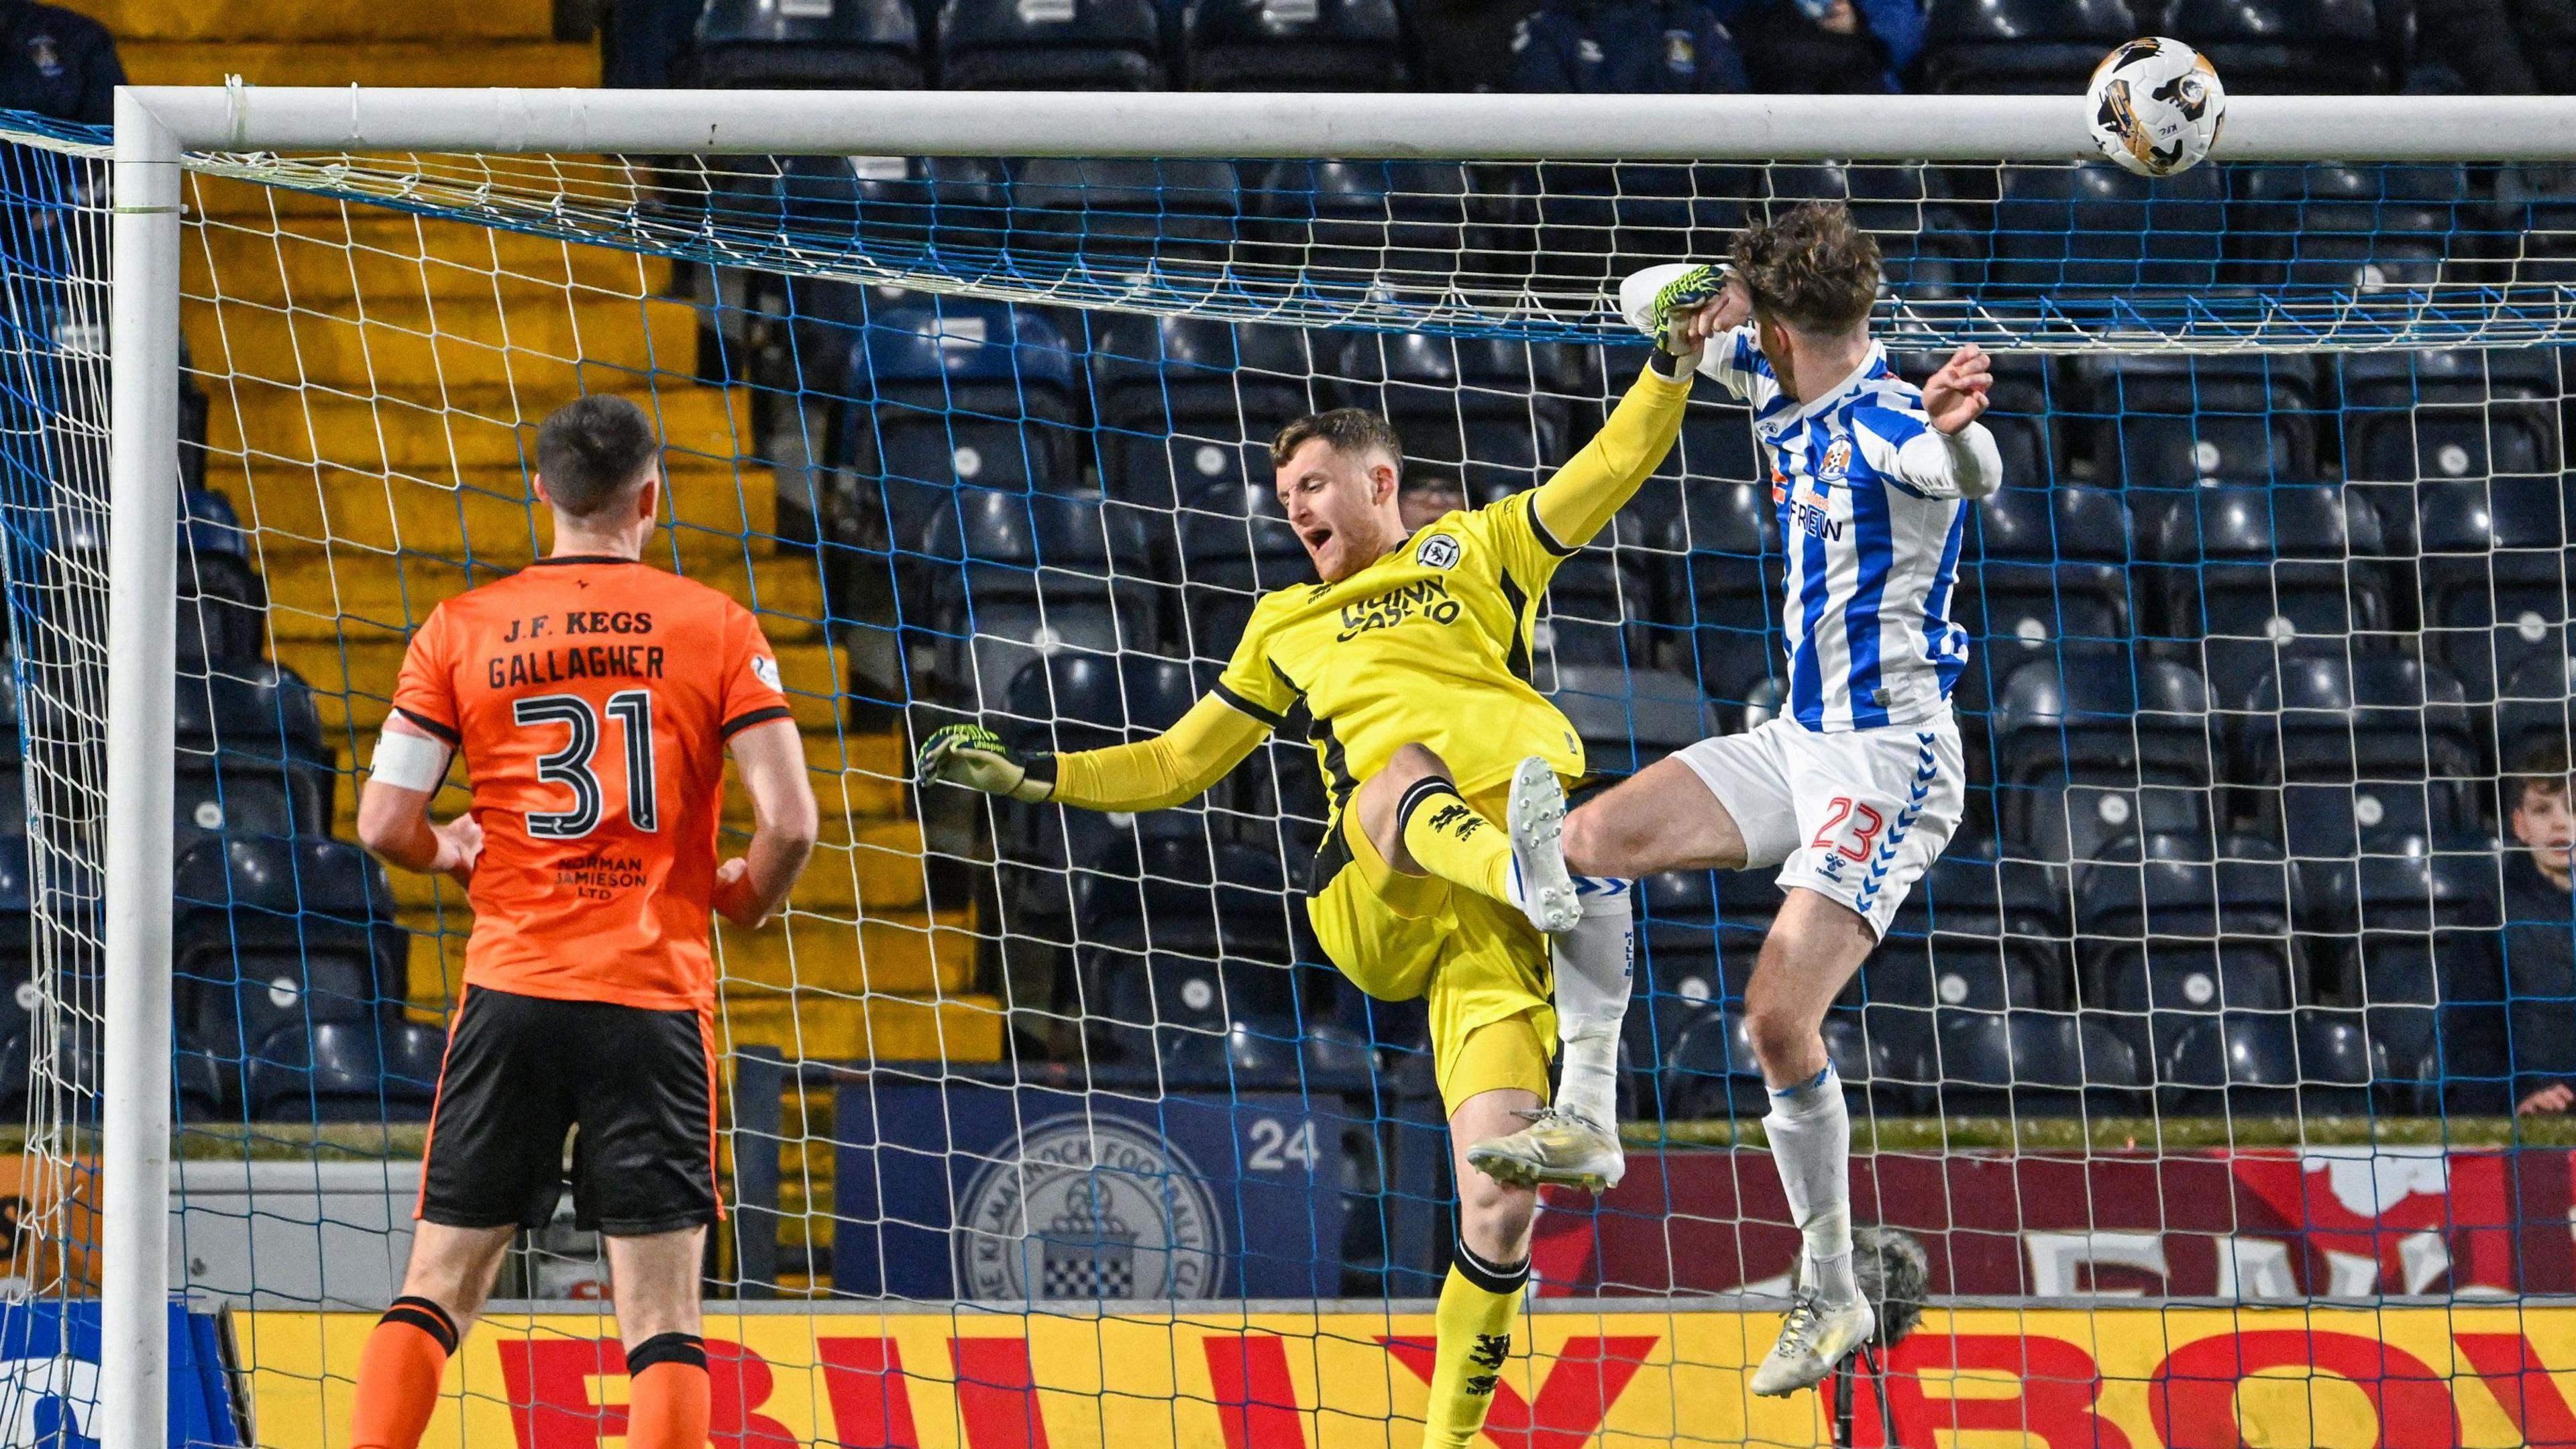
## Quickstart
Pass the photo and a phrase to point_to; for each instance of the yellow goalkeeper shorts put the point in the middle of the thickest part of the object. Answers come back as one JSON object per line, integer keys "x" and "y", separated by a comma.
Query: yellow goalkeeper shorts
{"x": 1479, "y": 964}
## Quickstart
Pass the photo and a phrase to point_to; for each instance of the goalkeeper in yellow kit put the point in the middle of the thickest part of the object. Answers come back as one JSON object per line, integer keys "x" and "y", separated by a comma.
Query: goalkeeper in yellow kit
{"x": 1440, "y": 875}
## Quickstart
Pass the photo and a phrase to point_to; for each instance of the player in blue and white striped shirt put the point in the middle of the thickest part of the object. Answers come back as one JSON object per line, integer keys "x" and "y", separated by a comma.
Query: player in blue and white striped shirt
{"x": 1857, "y": 786}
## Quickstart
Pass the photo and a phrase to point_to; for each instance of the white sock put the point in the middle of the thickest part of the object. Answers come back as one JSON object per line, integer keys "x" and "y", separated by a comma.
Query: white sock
{"x": 1595, "y": 965}
{"x": 1810, "y": 1132}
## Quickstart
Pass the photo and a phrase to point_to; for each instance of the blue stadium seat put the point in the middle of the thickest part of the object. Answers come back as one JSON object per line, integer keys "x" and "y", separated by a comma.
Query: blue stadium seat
{"x": 1078, "y": 701}
{"x": 251, "y": 759}
{"x": 1119, "y": 214}
{"x": 954, "y": 396}
{"x": 2257, "y": 573}
{"x": 2493, "y": 578}
{"x": 2045, "y": 564}
{"x": 2160, "y": 421}
{"x": 1050, "y": 45}
{"x": 2287, "y": 47}
{"x": 2538, "y": 703}
{"x": 1236, "y": 545}
{"x": 1578, "y": 225}
{"x": 1973, "y": 936}
{"x": 848, "y": 45}
{"x": 1014, "y": 577}
{"x": 1322, "y": 45}
{"x": 2099, "y": 746}
{"x": 2271, "y": 1064}
{"x": 2028, "y": 1063}
{"x": 1922, "y": 239}
{"x": 1596, "y": 611}
{"x": 2326, "y": 724}
{"x": 1698, "y": 933}
{"x": 2171, "y": 932}
{"x": 1491, "y": 410}
{"x": 223, "y": 602}
{"x": 2459, "y": 414}
{"x": 2534, "y": 213}
{"x": 885, "y": 206}
{"x": 2420, "y": 920}
{"x": 1201, "y": 940}
{"x": 1630, "y": 718}
{"x": 2096, "y": 226}
{"x": 1354, "y": 227}
{"x": 2363, "y": 228}
{"x": 1188, "y": 404}
{"x": 1728, "y": 537}
{"x": 273, "y": 941}
{"x": 2024, "y": 47}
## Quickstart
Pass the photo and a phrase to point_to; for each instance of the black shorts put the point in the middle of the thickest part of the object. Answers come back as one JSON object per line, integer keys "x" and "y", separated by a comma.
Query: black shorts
{"x": 635, "y": 1087}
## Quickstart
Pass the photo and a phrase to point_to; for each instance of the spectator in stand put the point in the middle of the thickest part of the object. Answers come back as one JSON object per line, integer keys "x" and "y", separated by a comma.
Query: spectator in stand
{"x": 1825, "y": 47}
{"x": 1625, "y": 47}
{"x": 2539, "y": 946}
{"x": 1423, "y": 497}
{"x": 57, "y": 63}
{"x": 2495, "y": 47}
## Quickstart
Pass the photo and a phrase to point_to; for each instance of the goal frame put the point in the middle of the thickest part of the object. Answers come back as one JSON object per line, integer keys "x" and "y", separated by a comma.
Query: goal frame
{"x": 157, "y": 126}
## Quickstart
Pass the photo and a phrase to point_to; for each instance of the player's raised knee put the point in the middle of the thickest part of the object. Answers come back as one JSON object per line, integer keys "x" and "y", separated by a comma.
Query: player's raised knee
{"x": 1413, "y": 762}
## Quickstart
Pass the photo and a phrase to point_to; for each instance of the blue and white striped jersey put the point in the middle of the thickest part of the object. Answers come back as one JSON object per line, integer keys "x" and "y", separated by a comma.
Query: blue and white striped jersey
{"x": 1871, "y": 520}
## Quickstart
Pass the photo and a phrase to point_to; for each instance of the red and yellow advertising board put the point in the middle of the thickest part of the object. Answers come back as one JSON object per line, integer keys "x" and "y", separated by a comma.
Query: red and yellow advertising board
{"x": 2112, "y": 1378}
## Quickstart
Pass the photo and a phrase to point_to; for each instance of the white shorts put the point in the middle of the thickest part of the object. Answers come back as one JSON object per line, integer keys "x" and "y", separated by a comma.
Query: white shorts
{"x": 1858, "y": 816}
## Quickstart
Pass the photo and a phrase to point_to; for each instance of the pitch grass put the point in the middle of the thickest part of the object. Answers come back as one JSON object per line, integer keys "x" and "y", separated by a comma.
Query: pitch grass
{"x": 377, "y": 1142}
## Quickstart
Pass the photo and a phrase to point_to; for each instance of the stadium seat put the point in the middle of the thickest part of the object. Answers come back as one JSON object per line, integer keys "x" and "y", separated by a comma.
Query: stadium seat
{"x": 2255, "y": 573}
{"x": 2534, "y": 216}
{"x": 2171, "y": 421}
{"x": 1491, "y": 410}
{"x": 888, "y": 206}
{"x": 1015, "y": 577}
{"x": 1698, "y": 933}
{"x": 2361, "y": 228}
{"x": 2024, "y": 47}
{"x": 2493, "y": 580}
{"x": 2287, "y": 47}
{"x": 1973, "y": 936}
{"x": 2459, "y": 414}
{"x": 1596, "y": 611}
{"x": 1356, "y": 227}
{"x": 1189, "y": 404}
{"x": 1922, "y": 240}
{"x": 1630, "y": 718}
{"x": 2419, "y": 921}
{"x": 2271, "y": 1064}
{"x": 2045, "y": 564}
{"x": 1728, "y": 538}
{"x": 1578, "y": 225}
{"x": 1321, "y": 45}
{"x": 251, "y": 759}
{"x": 2098, "y": 227}
{"x": 1118, "y": 215}
{"x": 1199, "y": 941}
{"x": 2537, "y": 704}
{"x": 1079, "y": 701}
{"x": 2171, "y": 931}
{"x": 2326, "y": 723}
{"x": 2098, "y": 746}
{"x": 2028, "y": 1063}
{"x": 1235, "y": 546}
{"x": 274, "y": 939}
{"x": 1050, "y": 45}
{"x": 849, "y": 45}
{"x": 959, "y": 396}
{"x": 223, "y": 602}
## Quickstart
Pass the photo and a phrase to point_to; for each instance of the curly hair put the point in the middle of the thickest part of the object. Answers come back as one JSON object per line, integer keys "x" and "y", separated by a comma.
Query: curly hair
{"x": 1810, "y": 267}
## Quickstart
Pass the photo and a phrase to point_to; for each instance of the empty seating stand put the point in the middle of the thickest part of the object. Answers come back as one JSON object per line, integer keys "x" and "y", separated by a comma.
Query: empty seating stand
{"x": 843, "y": 45}
{"x": 1034, "y": 45}
{"x": 2024, "y": 47}
{"x": 1294, "y": 45}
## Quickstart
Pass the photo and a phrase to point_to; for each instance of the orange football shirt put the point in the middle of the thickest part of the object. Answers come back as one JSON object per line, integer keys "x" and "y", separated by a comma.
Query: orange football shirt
{"x": 592, "y": 699}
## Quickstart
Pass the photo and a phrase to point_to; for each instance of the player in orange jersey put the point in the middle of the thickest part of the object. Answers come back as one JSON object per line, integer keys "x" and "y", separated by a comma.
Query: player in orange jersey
{"x": 594, "y": 699}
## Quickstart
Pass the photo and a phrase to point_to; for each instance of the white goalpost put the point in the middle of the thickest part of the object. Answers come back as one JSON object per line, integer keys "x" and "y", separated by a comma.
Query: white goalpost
{"x": 163, "y": 133}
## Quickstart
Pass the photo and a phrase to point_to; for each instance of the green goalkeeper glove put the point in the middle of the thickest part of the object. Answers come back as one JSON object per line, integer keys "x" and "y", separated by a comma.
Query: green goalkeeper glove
{"x": 1652, "y": 299}
{"x": 975, "y": 757}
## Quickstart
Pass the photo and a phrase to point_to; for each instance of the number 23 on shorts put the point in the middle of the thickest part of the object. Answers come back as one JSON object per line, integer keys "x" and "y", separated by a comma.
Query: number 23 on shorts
{"x": 1865, "y": 821}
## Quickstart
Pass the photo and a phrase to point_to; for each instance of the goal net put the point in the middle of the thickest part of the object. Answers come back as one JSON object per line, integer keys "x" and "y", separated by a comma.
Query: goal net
{"x": 1050, "y": 1127}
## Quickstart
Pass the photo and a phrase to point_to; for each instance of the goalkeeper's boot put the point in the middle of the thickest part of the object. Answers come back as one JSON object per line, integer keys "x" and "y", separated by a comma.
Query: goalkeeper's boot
{"x": 1557, "y": 1148}
{"x": 1536, "y": 820}
{"x": 1815, "y": 1338}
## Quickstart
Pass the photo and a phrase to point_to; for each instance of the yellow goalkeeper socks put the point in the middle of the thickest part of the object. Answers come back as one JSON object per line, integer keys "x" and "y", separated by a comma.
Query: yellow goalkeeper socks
{"x": 1478, "y": 1306}
{"x": 1447, "y": 838}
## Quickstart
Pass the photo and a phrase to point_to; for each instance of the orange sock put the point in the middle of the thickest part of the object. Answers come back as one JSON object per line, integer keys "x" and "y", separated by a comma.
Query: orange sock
{"x": 666, "y": 1393}
{"x": 398, "y": 1375}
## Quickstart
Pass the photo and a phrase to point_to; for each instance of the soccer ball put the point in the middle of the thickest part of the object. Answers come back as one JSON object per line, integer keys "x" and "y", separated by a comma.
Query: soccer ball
{"x": 2155, "y": 106}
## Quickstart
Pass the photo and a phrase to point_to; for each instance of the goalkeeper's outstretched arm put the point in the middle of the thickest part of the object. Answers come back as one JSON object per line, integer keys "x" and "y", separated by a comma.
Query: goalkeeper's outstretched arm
{"x": 1577, "y": 503}
{"x": 1172, "y": 768}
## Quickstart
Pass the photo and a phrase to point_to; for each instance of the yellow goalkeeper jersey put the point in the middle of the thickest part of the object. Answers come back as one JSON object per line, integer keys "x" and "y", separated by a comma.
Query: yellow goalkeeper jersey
{"x": 1429, "y": 645}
